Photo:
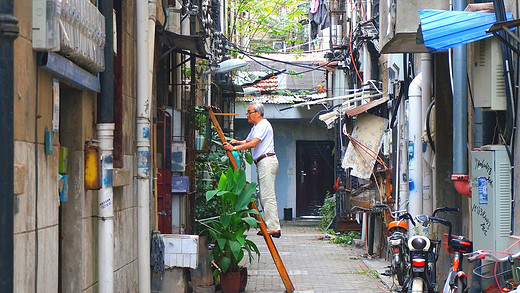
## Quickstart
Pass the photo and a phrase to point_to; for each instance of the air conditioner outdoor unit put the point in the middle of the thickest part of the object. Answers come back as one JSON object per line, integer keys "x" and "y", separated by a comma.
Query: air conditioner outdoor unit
{"x": 490, "y": 198}
{"x": 399, "y": 21}
{"x": 489, "y": 86}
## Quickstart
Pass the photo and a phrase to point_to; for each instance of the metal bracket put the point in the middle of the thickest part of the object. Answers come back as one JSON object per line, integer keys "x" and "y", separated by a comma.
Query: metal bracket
{"x": 504, "y": 26}
{"x": 9, "y": 26}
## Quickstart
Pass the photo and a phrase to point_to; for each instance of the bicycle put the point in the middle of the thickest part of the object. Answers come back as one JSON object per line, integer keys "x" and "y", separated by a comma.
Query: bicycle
{"x": 397, "y": 243}
{"x": 509, "y": 274}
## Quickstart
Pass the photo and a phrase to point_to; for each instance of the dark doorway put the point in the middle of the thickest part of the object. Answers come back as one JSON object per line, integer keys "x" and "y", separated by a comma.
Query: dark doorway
{"x": 315, "y": 175}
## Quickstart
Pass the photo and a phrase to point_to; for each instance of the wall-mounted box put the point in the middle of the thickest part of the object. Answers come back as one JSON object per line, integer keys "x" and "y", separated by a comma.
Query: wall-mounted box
{"x": 489, "y": 85}
{"x": 490, "y": 198}
{"x": 178, "y": 156}
{"x": 180, "y": 184}
{"x": 181, "y": 250}
{"x": 399, "y": 21}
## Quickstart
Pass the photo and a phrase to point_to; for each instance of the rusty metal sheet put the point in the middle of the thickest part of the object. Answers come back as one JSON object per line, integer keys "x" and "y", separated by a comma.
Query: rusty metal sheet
{"x": 363, "y": 108}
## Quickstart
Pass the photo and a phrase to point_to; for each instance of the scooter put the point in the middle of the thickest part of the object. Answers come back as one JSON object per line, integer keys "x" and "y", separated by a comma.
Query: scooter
{"x": 423, "y": 255}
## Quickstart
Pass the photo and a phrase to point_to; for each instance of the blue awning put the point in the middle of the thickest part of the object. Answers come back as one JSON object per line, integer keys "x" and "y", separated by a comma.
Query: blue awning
{"x": 442, "y": 29}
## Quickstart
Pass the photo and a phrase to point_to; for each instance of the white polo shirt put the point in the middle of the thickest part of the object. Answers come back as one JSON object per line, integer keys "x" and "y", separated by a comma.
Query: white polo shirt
{"x": 264, "y": 132}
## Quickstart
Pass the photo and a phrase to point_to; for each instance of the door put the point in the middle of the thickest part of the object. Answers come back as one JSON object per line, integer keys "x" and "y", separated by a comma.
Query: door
{"x": 315, "y": 175}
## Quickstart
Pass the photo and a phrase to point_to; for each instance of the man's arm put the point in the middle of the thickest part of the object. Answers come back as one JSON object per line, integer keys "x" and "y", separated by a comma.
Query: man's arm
{"x": 241, "y": 145}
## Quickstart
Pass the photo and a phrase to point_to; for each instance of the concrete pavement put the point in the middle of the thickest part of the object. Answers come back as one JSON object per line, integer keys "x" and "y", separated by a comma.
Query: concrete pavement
{"x": 315, "y": 265}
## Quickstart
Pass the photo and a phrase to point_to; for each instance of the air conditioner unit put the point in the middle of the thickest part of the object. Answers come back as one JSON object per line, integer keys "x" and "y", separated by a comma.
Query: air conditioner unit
{"x": 490, "y": 198}
{"x": 489, "y": 86}
{"x": 399, "y": 21}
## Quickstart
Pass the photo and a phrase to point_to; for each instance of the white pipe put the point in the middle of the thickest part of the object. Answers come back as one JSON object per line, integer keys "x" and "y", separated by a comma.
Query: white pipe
{"x": 426, "y": 68}
{"x": 415, "y": 146}
{"x": 105, "y": 134}
{"x": 403, "y": 156}
{"x": 143, "y": 148}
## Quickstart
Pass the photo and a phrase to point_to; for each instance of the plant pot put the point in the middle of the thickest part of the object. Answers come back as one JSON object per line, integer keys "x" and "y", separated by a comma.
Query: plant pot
{"x": 230, "y": 282}
{"x": 243, "y": 279}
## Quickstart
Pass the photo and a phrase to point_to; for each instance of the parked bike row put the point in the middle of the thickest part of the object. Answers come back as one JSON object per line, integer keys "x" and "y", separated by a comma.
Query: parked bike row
{"x": 414, "y": 257}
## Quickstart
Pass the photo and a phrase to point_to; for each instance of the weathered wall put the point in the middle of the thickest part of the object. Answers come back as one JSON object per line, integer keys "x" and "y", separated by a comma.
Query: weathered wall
{"x": 286, "y": 133}
{"x": 56, "y": 244}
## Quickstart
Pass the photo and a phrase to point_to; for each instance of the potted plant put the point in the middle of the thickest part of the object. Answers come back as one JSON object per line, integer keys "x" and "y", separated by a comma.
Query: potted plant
{"x": 227, "y": 231}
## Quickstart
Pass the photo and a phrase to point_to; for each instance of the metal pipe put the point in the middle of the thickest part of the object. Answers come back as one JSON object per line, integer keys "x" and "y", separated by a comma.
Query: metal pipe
{"x": 460, "y": 104}
{"x": 143, "y": 148}
{"x": 105, "y": 134}
{"x": 105, "y": 102}
{"x": 415, "y": 162}
{"x": 426, "y": 67}
{"x": 8, "y": 33}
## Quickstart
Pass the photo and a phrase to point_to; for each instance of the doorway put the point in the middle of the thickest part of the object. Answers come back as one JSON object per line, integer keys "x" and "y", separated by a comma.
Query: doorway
{"x": 314, "y": 175}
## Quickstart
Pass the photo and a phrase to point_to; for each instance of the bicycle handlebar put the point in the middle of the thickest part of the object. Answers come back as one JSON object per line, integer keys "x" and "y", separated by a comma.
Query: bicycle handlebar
{"x": 481, "y": 254}
{"x": 407, "y": 216}
{"x": 445, "y": 210}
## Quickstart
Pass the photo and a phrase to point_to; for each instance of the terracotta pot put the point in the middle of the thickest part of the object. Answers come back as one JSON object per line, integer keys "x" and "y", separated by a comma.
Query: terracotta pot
{"x": 230, "y": 282}
{"x": 243, "y": 279}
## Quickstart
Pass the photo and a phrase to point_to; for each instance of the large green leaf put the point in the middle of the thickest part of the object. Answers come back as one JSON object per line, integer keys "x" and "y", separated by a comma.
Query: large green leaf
{"x": 210, "y": 194}
{"x": 224, "y": 264}
{"x": 229, "y": 179}
{"x": 222, "y": 183}
{"x": 221, "y": 243}
{"x": 252, "y": 222}
{"x": 236, "y": 247}
{"x": 224, "y": 219}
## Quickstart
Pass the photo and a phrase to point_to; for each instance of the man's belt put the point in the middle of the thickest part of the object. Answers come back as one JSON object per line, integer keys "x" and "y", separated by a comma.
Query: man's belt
{"x": 264, "y": 156}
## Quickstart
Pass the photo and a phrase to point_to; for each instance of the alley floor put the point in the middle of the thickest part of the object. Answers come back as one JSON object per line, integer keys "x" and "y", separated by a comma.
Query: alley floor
{"x": 315, "y": 265}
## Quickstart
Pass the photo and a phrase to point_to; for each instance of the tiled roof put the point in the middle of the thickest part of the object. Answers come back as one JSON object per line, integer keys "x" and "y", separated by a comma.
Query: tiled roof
{"x": 268, "y": 85}
{"x": 281, "y": 99}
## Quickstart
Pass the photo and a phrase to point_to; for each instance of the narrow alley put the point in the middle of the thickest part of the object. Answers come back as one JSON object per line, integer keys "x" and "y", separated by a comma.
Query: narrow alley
{"x": 314, "y": 264}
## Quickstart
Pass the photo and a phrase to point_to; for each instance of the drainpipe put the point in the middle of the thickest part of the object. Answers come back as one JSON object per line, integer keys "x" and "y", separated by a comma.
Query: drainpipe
{"x": 8, "y": 33}
{"x": 143, "y": 148}
{"x": 415, "y": 161}
{"x": 426, "y": 67}
{"x": 403, "y": 156}
{"x": 105, "y": 133}
{"x": 460, "y": 175}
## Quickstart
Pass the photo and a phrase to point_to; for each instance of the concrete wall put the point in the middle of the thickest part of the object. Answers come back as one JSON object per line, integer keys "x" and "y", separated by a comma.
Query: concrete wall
{"x": 286, "y": 133}
{"x": 56, "y": 244}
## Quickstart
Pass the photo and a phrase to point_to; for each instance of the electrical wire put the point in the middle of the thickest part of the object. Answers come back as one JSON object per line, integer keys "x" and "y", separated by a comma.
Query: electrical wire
{"x": 274, "y": 69}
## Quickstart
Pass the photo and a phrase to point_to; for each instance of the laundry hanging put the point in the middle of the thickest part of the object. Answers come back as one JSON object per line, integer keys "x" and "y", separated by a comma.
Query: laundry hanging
{"x": 320, "y": 19}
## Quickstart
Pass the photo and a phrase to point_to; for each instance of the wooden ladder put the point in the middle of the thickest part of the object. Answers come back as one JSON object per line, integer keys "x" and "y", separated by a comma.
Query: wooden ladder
{"x": 268, "y": 240}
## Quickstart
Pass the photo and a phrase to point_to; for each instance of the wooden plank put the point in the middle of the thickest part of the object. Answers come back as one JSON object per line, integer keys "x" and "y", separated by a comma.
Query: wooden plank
{"x": 289, "y": 287}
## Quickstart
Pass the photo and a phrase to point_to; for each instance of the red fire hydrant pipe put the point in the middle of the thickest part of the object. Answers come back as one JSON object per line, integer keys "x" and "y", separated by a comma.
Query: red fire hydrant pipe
{"x": 462, "y": 184}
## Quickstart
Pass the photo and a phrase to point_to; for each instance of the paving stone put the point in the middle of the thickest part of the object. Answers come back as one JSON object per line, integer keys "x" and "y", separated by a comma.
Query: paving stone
{"x": 314, "y": 265}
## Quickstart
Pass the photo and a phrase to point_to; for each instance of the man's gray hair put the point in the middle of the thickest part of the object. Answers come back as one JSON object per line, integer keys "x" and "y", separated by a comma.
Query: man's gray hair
{"x": 258, "y": 107}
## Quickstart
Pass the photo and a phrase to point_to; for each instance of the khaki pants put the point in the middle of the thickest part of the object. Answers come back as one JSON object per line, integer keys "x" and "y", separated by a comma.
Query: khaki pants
{"x": 267, "y": 169}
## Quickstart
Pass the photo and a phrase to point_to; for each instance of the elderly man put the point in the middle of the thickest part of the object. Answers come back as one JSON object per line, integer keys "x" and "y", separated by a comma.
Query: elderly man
{"x": 260, "y": 139}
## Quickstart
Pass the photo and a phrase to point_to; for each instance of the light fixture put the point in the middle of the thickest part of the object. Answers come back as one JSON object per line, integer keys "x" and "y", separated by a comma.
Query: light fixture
{"x": 229, "y": 65}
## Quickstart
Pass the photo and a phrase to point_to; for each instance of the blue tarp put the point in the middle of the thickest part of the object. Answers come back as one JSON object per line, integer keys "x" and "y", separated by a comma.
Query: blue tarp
{"x": 442, "y": 29}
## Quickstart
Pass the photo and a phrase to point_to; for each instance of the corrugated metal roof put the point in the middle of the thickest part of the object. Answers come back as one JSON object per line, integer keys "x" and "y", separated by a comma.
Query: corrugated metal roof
{"x": 442, "y": 29}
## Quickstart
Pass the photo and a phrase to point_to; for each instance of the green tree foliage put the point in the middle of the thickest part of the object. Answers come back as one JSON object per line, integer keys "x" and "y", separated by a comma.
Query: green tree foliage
{"x": 266, "y": 20}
